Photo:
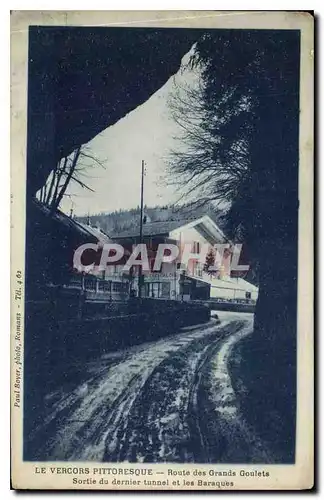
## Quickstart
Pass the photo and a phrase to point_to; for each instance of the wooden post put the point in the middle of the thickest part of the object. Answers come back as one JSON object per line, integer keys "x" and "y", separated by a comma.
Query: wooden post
{"x": 141, "y": 231}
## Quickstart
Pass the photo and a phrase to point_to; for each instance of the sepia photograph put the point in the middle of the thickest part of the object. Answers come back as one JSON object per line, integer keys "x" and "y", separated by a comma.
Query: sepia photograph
{"x": 156, "y": 309}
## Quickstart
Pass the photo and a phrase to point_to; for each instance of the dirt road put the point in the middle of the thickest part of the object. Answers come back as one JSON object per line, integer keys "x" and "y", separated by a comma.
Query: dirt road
{"x": 167, "y": 401}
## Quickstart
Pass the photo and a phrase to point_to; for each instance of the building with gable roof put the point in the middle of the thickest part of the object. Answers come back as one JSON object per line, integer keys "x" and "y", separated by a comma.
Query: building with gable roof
{"x": 174, "y": 282}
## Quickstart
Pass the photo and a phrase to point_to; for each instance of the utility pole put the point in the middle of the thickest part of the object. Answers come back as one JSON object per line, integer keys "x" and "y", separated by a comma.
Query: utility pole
{"x": 141, "y": 231}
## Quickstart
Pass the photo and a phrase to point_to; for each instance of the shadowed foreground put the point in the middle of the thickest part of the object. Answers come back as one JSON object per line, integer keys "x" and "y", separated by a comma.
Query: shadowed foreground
{"x": 166, "y": 401}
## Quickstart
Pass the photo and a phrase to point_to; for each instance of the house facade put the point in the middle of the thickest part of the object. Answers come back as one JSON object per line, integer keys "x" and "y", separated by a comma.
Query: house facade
{"x": 174, "y": 282}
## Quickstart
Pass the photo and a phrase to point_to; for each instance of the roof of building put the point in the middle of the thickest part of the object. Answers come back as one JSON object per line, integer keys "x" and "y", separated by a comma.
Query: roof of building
{"x": 96, "y": 232}
{"x": 204, "y": 224}
{"x": 84, "y": 230}
{"x": 153, "y": 228}
{"x": 64, "y": 220}
{"x": 231, "y": 283}
{"x": 99, "y": 234}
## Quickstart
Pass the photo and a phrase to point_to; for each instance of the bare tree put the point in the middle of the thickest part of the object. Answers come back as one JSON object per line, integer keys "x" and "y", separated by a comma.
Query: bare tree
{"x": 212, "y": 157}
{"x": 72, "y": 168}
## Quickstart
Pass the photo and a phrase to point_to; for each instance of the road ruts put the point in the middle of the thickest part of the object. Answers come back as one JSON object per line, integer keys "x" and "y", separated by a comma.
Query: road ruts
{"x": 160, "y": 424}
{"x": 139, "y": 405}
{"x": 198, "y": 413}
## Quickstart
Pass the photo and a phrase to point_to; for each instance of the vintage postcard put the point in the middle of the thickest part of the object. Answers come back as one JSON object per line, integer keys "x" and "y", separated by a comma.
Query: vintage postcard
{"x": 162, "y": 250}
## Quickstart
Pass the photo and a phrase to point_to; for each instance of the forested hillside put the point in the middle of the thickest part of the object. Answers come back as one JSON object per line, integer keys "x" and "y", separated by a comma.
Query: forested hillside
{"x": 121, "y": 220}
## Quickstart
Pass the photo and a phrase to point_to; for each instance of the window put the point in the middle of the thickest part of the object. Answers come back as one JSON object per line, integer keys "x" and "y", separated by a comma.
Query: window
{"x": 155, "y": 290}
{"x": 166, "y": 289}
{"x": 89, "y": 284}
{"x": 120, "y": 287}
{"x": 196, "y": 247}
{"x": 117, "y": 287}
{"x": 198, "y": 269}
{"x": 118, "y": 269}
